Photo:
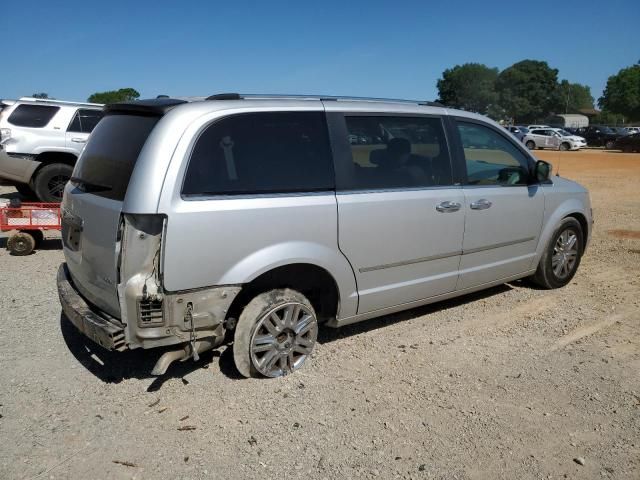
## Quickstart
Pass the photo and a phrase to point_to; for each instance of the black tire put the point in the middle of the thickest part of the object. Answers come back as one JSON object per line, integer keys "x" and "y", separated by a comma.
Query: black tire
{"x": 609, "y": 144}
{"x": 20, "y": 244}
{"x": 250, "y": 321}
{"x": 531, "y": 145}
{"x": 545, "y": 275}
{"x": 37, "y": 235}
{"x": 25, "y": 191}
{"x": 564, "y": 146}
{"x": 627, "y": 149}
{"x": 50, "y": 181}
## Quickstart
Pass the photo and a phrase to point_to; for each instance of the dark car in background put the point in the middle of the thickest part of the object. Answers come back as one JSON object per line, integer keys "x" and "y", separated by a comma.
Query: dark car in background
{"x": 622, "y": 131}
{"x": 599, "y": 136}
{"x": 518, "y": 131}
{"x": 628, "y": 143}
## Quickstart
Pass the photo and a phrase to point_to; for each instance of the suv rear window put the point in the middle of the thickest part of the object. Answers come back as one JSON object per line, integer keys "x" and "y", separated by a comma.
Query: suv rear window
{"x": 106, "y": 164}
{"x": 270, "y": 152}
{"x": 85, "y": 120}
{"x": 35, "y": 116}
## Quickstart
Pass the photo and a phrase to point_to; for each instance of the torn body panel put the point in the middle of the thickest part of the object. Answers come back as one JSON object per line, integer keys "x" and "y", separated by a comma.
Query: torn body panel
{"x": 152, "y": 316}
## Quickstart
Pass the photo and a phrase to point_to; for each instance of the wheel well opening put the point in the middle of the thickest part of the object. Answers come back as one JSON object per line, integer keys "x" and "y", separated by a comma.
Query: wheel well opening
{"x": 583, "y": 223}
{"x": 312, "y": 281}
{"x": 47, "y": 158}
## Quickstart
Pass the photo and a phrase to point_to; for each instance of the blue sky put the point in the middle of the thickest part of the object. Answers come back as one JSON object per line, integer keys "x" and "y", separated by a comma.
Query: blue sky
{"x": 385, "y": 49}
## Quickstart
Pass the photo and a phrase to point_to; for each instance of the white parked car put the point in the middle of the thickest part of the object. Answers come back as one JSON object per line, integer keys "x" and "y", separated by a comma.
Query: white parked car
{"x": 633, "y": 130}
{"x": 550, "y": 138}
{"x": 581, "y": 141}
{"x": 40, "y": 141}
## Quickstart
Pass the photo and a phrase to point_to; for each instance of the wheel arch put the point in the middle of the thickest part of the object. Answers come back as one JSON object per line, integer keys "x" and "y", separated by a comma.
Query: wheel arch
{"x": 313, "y": 281}
{"x": 571, "y": 207}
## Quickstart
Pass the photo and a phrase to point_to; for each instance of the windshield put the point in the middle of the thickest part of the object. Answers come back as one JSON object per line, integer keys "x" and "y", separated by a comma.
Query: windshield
{"x": 106, "y": 164}
{"x": 564, "y": 133}
{"x": 606, "y": 130}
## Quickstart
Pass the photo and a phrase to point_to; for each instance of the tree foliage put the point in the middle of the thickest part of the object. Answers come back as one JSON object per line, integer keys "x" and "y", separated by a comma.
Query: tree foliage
{"x": 528, "y": 89}
{"x": 115, "y": 96}
{"x": 622, "y": 93}
{"x": 572, "y": 97}
{"x": 471, "y": 86}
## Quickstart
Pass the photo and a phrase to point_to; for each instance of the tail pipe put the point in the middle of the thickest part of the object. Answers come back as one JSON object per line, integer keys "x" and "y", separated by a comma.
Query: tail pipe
{"x": 185, "y": 353}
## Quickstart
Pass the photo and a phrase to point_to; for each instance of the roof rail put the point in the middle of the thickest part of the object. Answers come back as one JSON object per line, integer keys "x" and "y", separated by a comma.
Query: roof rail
{"x": 269, "y": 96}
{"x": 58, "y": 102}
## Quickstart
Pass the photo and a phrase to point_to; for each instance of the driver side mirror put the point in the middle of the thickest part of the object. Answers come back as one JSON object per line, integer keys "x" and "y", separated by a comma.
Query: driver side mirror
{"x": 542, "y": 171}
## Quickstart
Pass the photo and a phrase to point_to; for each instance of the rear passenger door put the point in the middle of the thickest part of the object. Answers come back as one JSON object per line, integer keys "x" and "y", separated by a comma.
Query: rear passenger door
{"x": 503, "y": 210}
{"x": 81, "y": 126}
{"x": 400, "y": 211}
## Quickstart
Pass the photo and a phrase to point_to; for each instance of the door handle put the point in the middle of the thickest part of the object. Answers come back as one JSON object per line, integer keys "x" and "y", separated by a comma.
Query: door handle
{"x": 481, "y": 204}
{"x": 79, "y": 140}
{"x": 447, "y": 207}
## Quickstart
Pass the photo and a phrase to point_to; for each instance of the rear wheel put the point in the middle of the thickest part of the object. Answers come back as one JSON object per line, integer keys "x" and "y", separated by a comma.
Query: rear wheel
{"x": 275, "y": 334}
{"x": 50, "y": 181}
{"x": 531, "y": 145}
{"x": 561, "y": 258}
{"x": 21, "y": 243}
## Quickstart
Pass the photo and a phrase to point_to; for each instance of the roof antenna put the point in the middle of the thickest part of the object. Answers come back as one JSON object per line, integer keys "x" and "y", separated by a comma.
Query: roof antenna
{"x": 559, "y": 158}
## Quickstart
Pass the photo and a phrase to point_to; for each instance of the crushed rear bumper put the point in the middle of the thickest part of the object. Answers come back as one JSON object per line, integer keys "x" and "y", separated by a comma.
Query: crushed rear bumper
{"x": 98, "y": 326}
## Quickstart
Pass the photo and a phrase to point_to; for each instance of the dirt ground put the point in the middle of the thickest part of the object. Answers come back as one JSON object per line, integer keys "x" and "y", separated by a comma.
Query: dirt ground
{"x": 513, "y": 383}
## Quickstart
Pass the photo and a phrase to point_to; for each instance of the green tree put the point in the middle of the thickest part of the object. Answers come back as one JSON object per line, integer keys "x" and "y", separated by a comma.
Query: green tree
{"x": 572, "y": 97}
{"x": 40, "y": 95}
{"x": 527, "y": 89}
{"x": 622, "y": 93}
{"x": 471, "y": 87}
{"x": 115, "y": 96}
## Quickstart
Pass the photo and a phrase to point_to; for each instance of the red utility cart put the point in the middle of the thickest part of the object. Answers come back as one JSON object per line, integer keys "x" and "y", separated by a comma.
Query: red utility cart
{"x": 30, "y": 220}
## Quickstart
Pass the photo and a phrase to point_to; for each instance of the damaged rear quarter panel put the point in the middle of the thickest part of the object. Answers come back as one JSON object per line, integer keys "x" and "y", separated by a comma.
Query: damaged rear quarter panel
{"x": 140, "y": 279}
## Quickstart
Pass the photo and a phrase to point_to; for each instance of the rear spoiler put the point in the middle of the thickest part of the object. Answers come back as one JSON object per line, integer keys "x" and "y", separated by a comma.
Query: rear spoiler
{"x": 152, "y": 107}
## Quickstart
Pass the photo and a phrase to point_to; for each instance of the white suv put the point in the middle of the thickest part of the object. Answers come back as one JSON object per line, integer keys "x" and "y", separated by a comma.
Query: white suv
{"x": 40, "y": 141}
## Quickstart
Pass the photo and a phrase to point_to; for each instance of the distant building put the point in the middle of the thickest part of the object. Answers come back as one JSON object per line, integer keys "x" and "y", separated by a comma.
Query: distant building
{"x": 571, "y": 120}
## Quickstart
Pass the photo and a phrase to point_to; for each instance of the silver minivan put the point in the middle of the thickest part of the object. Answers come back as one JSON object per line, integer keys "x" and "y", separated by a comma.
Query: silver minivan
{"x": 262, "y": 219}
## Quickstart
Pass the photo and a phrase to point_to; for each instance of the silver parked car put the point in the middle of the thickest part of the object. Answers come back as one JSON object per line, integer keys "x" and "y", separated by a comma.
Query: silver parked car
{"x": 262, "y": 218}
{"x": 40, "y": 141}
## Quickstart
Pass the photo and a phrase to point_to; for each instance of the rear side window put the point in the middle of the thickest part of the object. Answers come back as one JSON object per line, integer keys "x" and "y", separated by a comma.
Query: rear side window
{"x": 491, "y": 158}
{"x": 85, "y": 120}
{"x": 396, "y": 152}
{"x": 106, "y": 164}
{"x": 274, "y": 152}
{"x": 35, "y": 116}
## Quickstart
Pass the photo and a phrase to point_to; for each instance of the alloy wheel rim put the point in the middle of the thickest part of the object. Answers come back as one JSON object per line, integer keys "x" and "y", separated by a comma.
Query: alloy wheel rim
{"x": 56, "y": 185}
{"x": 565, "y": 254}
{"x": 283, "y": 339}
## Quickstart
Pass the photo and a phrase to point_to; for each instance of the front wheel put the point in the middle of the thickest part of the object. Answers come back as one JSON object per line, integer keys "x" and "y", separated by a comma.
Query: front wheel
{"x": 275, "y": 334}
{"x": 561, "y": 258}
{"x": 564, "y": 146}
{"x": 609, "y": 144}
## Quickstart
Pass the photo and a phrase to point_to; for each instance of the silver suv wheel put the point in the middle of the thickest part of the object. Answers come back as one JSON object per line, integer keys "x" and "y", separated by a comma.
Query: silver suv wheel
{"x": 275, "y": 335}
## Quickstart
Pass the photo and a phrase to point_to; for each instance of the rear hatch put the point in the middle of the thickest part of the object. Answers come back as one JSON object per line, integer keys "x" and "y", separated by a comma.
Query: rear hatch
{"x": 93, "y": 203}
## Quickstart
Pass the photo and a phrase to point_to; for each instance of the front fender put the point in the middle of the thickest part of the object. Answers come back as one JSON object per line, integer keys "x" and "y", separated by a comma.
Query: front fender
{"x": 297, "y": 252}
{"x": 555, "y": 211}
